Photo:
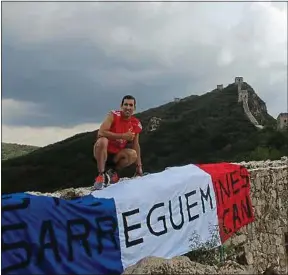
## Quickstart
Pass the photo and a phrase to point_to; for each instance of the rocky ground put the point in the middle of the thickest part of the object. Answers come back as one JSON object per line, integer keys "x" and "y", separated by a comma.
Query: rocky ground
{"x": 183, "y": 265}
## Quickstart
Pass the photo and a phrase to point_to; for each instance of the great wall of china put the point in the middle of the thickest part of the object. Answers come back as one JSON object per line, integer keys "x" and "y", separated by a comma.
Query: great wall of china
{"x": 243, "y": 97}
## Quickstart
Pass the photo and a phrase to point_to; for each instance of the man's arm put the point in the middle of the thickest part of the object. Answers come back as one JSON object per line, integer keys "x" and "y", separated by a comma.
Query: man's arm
{"x": 105, "y": 127}
{"x": 136, "y": 147}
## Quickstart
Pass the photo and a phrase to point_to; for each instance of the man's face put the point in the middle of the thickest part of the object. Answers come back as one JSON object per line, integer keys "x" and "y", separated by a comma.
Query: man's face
{"x": 128, "y": 107}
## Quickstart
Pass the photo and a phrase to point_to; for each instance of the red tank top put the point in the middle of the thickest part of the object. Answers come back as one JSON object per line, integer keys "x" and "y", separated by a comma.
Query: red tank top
{"x": 121, "y": 125}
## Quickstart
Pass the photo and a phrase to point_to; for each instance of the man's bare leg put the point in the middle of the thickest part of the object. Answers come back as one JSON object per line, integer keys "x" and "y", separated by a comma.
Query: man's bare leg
{"x": 100, "y": 153}
{"x": 125, "y": 158}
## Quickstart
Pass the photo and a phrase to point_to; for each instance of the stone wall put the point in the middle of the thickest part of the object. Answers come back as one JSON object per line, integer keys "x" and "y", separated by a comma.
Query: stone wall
{"x": 261, "y": 244}
{"x": 259, "y": 248}
{"x": 264, "y": 242}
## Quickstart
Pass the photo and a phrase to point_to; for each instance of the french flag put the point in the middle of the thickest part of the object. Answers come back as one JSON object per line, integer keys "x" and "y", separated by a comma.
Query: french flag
{"x": 111, "y": 229}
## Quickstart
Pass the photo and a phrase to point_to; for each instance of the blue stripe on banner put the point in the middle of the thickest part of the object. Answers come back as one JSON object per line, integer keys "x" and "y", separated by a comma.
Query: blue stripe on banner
{"x": 45, "y": 235}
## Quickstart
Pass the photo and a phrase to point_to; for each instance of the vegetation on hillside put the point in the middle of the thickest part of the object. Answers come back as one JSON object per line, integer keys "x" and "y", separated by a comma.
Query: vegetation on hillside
{"x": 13, "y": 150}
{"x": 198, "y": 129}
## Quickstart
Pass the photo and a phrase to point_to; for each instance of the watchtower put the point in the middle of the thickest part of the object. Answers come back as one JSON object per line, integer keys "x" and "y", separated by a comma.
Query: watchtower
{"x": 220, "y": 87}
{"x": 282, "y": 121}
{"x": 238, "y": 80}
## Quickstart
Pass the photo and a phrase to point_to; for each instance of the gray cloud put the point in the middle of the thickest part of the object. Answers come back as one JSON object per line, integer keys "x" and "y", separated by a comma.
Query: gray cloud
{"x": 75, "y": 61}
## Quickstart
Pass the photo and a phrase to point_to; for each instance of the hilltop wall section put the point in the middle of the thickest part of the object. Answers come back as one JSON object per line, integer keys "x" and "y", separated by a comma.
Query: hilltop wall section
{"x": 243, "y": 97}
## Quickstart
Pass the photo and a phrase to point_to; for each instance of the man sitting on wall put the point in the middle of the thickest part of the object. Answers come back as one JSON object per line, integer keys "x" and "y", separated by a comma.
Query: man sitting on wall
{"x": 119, "y": 128}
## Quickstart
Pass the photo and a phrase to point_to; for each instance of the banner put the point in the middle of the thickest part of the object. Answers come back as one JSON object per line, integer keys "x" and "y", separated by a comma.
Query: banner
{"x": 232, "y": 188}
{"x": 156, "y": 215}
{"x": 44, "y": 235}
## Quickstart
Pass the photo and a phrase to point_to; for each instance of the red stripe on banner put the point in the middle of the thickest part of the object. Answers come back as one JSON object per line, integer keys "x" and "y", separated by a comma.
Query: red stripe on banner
{"x": 232, "y": 189}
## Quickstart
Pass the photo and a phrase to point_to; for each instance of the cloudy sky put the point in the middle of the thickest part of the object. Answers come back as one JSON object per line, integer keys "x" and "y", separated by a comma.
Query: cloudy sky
{"x": 64, "y": 65}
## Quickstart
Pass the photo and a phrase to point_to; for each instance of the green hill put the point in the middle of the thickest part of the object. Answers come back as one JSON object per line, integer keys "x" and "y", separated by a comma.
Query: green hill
{"x": 198, "y": 129}
{"x": 13, "y": 150}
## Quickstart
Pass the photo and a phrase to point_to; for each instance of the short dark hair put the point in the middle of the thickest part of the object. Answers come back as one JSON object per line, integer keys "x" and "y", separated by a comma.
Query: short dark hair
{"x": 128, "y": 97}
